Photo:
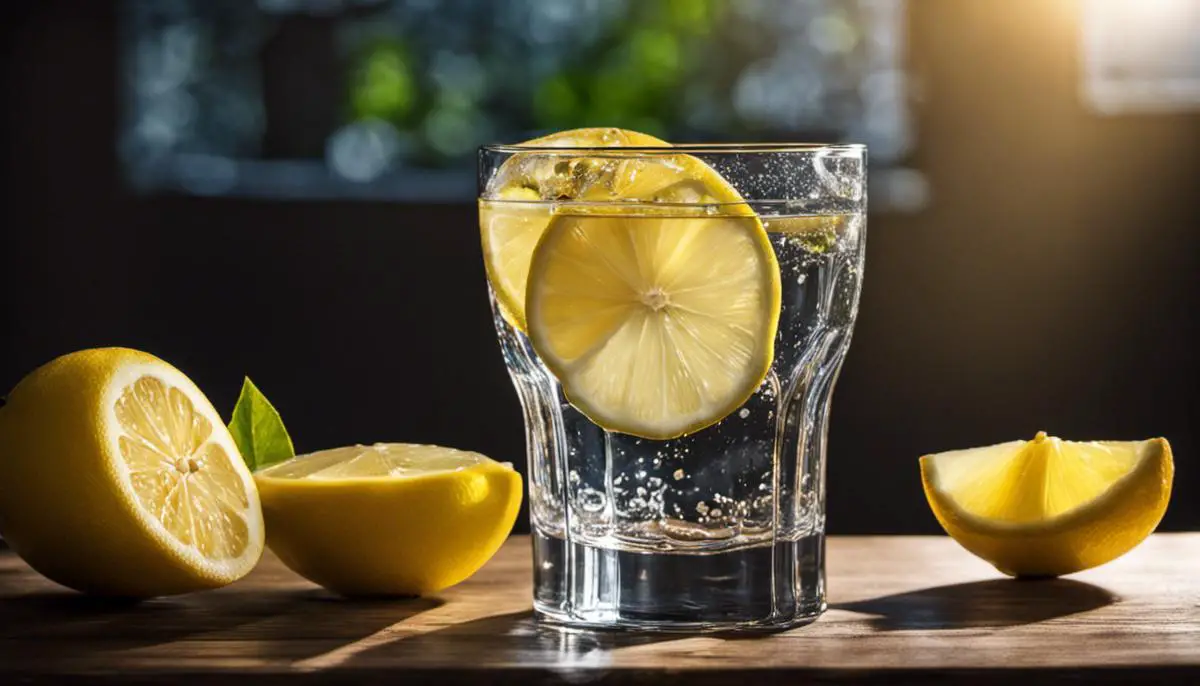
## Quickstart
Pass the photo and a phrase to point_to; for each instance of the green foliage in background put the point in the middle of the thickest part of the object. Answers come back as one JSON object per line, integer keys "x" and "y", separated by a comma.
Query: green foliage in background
{"x": 633, "y": 73}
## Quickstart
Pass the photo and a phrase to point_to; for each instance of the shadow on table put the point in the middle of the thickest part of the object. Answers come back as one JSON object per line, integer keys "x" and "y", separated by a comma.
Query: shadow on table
{"x": 309, "y": 619}
{"x": 515, "y": 637}
{"x": 982, "y": 604}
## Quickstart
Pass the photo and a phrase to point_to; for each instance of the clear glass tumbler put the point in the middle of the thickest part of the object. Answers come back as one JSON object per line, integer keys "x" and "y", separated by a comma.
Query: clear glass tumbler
{"x": 650, "y": 517}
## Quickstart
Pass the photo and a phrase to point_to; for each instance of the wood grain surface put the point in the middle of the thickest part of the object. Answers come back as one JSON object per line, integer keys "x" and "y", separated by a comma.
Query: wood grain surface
{"x": 903, "y": 610}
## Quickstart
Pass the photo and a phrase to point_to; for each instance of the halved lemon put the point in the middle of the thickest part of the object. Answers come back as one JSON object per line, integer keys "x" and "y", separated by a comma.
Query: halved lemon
{"x": 389, "y": 518}
{"x": 118, "y": 477}
{"x": 657, "y": 321}
{"x": 1049, "y": 507}
{"x": 512, "y": 215}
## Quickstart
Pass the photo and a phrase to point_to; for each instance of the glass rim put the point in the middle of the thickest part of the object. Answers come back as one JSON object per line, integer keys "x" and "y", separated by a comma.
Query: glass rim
{"x": 686, "y": 148}
{"x": 758, "y": 205}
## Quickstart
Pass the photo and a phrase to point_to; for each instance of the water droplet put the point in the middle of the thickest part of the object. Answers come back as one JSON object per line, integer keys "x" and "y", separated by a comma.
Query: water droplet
{"x": 743, "y": 413}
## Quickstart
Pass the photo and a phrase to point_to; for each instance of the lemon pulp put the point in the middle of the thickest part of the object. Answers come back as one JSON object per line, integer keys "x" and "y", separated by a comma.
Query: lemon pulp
{"x": 177, "y": 473}
{"x": 1048, "y": 507}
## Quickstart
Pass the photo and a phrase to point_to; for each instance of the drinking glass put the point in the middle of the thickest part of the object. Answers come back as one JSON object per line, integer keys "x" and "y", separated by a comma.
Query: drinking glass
{"x": 722, "y": 528}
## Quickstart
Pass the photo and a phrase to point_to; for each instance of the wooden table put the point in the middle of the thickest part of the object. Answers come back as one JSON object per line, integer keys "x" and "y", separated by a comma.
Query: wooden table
{"x": 903, "y": 610}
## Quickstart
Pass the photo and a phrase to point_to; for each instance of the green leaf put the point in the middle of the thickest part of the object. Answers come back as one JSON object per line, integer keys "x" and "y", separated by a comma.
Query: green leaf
{"x": 258, "y": 431}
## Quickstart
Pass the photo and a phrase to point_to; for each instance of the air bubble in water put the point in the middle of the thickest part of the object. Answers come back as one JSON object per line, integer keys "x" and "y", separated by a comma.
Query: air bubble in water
{"x": 591, "y": 500}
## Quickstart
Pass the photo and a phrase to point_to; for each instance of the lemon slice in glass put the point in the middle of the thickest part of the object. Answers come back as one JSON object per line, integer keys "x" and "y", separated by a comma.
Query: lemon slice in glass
{"x": 658, "y": 321}
{"x": 816, "y": 234}
{"x": 120, "y": 478}
{"x": 1048, "y": 507}
{"x": 512, "y": 214}
{"x": 389, "y": 518}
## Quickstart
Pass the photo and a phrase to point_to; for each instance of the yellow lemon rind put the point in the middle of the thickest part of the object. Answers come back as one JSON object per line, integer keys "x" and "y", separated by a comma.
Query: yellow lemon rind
{"x": 1090, "y": 535}
{"x": 329, "y": 530}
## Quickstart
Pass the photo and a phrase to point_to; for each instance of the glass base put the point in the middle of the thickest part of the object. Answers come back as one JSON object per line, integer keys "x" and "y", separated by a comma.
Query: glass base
{"x": 761, "y": 588}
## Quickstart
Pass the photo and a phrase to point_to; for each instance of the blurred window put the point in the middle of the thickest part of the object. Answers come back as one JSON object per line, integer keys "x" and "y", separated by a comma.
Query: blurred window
{"x": 1141, "y": 56}
{"x": 388, "y": 99}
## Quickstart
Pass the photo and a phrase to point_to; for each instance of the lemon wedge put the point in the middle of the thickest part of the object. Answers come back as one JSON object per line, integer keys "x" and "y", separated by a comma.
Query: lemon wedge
{"x": 388, "y": 519}
{"x": 512, "y": 215}
{"x": 1049, "y": 507}
{"x": 657, "y": 324}
{"x": 118, "y": 477}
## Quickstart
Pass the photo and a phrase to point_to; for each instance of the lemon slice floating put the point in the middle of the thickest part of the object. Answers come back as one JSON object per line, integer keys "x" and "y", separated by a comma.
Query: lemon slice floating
{"x": 120, "y": 478}
{"x": 817, "y": 234}
{"x": 657, "y": 325}
{"x": 388, "y": 519}
{"x": 657, "y": 316}
{"x": 510, "y": 230}
{"x": 1049, "y": 507}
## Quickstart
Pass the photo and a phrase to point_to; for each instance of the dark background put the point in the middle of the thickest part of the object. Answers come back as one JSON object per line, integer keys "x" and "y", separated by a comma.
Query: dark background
{"x": 1049, "y": 284}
